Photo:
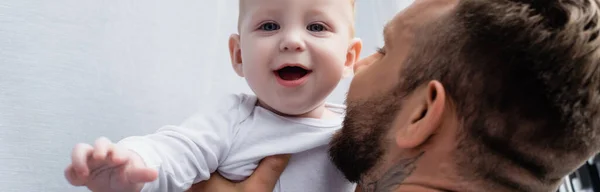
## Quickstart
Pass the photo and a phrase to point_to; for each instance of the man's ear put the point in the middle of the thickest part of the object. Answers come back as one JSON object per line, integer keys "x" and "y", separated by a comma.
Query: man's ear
{"x": 235, "y": 54}
{"x": 352, "y": 55}
{"x": 425, "y": 118}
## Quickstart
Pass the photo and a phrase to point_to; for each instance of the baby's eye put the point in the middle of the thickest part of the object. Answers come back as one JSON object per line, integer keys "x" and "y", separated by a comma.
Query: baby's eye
{"x": 270, "y": 26}
{"x": 316, "y": 27}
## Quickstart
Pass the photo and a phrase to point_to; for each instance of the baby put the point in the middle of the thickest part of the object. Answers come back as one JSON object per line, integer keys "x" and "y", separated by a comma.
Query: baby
{"x": 292, "y": 53}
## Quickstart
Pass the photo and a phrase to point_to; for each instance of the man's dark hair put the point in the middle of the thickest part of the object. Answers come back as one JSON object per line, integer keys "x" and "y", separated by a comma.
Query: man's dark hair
{"x": 524, "y": 76}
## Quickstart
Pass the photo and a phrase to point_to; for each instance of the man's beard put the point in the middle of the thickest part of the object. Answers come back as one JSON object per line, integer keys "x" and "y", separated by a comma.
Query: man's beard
{"x": 357, "y": 147}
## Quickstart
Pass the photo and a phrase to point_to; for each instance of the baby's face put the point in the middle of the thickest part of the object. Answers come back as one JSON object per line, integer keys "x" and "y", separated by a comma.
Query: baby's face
{"x": 293, "y": 53}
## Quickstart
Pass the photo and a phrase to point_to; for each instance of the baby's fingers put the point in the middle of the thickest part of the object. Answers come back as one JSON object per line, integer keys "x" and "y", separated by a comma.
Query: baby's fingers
{"x": 79, "y": 158}
{"x": 73, "y": 178}
{"x": 141, "y": 175}
{"x": 101, "y": 148}
{"x": 119, "y": 155}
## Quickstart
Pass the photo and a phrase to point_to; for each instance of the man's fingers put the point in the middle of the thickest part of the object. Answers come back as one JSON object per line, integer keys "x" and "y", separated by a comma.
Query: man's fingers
{"x": 101, "y": 148}
{"x": 263, "y": 179}
{"x": 267, "y": 173}
{"x": 216, "y": 182}
{"x": 79, "y": 158}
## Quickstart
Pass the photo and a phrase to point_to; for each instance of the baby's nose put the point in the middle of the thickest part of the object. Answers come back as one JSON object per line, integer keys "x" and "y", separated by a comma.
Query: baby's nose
{"x": 292, "y": 43}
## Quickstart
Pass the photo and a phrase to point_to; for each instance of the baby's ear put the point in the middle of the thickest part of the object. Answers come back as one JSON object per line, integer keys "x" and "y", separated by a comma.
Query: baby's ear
{"x": 235, "y": 53}
{"x": 352, "y": 55}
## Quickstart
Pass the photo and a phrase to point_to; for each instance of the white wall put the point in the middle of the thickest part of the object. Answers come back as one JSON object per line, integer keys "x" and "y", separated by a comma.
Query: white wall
{"x": 74, "y": 70}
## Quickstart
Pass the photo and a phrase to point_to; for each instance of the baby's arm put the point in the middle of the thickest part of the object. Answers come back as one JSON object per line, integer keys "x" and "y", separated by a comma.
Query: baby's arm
{"x": 181, "y": 155}
{"x": 184, "y": 154}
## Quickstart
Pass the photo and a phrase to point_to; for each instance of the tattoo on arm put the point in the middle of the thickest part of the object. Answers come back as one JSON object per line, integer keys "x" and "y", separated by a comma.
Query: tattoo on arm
{"x": 392, "y": 177}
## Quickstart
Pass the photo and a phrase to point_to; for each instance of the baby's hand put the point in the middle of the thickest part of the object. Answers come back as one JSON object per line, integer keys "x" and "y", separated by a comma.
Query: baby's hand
{"x": 107, "y": 167}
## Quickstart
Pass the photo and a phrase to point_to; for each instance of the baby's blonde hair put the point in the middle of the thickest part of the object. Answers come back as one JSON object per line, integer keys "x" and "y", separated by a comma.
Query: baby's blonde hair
{"x": 351, "y": 25}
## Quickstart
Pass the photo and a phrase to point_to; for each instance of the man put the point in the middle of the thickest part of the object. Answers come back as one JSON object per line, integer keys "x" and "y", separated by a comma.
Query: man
{"x": 476, "y": 95}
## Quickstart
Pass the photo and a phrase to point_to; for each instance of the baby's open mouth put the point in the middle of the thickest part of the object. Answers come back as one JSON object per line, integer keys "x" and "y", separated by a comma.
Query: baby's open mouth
{"x": 292, "y": 73}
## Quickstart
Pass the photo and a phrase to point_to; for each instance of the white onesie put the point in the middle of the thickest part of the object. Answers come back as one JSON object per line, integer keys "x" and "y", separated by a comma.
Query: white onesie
{"x": 232, "y": 137}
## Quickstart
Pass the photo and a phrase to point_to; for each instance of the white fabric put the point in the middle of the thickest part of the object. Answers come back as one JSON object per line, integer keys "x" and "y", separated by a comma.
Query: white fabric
{"x": 232, "y": 137}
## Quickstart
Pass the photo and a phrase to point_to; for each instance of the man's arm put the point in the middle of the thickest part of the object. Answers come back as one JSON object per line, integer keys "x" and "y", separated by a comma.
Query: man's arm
{"x": 263, "y": 179}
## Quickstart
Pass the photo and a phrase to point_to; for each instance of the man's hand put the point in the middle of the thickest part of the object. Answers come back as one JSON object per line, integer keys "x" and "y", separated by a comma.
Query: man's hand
{"x": 263, "y": 179}
{"x": 107, "y": 167}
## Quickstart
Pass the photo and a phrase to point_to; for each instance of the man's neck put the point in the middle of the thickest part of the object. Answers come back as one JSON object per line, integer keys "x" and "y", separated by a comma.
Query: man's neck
{"x": 392, "y": 177}
{"x": 430, "y": 167}
{"x": 422, "y": 172}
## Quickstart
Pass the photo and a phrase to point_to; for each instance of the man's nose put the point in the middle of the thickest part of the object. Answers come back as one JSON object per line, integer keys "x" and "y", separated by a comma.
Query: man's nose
{"x": 364, "y": 63}
{"x": 292, "y": 42}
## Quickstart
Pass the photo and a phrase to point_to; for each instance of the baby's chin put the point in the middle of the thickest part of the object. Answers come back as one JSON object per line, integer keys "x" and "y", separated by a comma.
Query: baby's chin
{"x": 311, "y": 110}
